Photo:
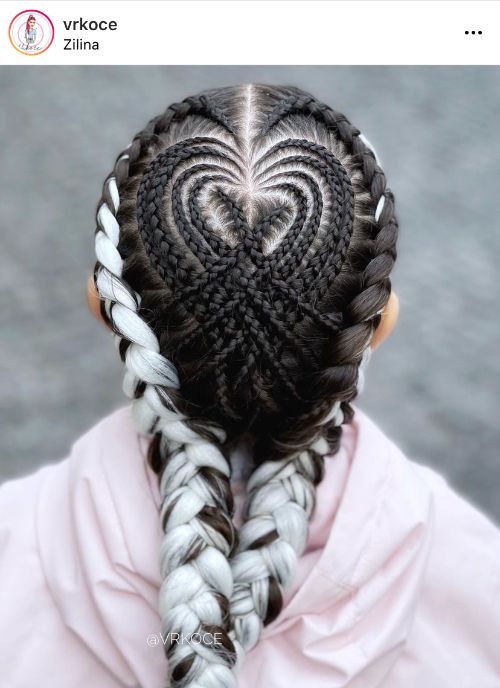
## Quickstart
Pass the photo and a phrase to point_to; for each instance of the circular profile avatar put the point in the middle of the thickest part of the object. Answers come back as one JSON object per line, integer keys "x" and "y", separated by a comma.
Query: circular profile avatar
{"x": 31, "y": 32}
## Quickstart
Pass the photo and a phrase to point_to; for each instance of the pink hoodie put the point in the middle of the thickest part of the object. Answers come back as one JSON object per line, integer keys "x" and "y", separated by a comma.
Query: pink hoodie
{"x": 399, "y": 586}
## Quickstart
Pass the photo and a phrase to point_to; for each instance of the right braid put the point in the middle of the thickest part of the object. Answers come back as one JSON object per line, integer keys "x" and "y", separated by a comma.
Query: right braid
{"x": 281, "y": 493}
{"x": 244, "y": 242}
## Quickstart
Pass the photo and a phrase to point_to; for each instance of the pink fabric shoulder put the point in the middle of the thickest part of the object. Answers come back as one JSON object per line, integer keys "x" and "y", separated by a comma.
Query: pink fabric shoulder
{"x": 399, "y": 585}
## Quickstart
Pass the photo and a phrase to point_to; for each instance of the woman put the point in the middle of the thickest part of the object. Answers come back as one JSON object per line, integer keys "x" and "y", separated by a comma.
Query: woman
{"x": 31, "y": 30}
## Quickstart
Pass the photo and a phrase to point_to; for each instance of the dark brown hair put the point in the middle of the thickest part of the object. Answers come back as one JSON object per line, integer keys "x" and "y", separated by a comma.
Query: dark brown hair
{"x": 256, "y": 238}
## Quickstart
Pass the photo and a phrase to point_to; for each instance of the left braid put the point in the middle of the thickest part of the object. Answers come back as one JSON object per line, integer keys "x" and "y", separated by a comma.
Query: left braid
{"x": 196, "y": 498}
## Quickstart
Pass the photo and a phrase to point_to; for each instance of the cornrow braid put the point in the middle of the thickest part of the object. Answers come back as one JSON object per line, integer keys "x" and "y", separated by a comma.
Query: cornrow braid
{"x": 245, "y": 241}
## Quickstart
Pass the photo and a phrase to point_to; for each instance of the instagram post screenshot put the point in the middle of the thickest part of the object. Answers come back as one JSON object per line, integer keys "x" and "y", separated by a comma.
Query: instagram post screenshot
{"x": 250, "y": 344}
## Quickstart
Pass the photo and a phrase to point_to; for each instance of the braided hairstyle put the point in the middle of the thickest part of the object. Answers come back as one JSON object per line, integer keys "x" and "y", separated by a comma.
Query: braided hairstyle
{"x": 244, "y": 244}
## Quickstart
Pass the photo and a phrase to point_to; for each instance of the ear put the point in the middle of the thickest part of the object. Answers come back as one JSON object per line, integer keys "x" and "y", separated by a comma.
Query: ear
{"x": 388, "y": 321}
{"x": 94, "y": 300}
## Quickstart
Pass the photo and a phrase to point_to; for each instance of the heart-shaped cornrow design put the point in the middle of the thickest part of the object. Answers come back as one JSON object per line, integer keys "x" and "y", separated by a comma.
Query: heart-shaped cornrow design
{"x": 185, "y": 187}
{"x": 253, "y": 241}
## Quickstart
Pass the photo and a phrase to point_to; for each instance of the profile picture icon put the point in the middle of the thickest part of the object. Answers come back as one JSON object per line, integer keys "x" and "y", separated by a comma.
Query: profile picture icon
{"x": 31, "y": 32}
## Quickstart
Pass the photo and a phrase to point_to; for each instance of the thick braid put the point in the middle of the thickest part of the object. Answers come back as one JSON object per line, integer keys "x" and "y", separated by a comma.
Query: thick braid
{"x": 281, "y": 493}
{"x": 280, "y": 502}
{"x": 194, "y": 486}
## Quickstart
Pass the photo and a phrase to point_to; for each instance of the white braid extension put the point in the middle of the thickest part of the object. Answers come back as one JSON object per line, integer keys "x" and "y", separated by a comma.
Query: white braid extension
{"x": 280, "y": 499}
{"x": 187, "y": 600}
{"x": 381, "y": 203}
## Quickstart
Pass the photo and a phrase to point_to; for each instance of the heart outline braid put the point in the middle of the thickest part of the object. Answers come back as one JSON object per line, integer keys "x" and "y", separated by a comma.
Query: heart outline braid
{"x": 256, "y": 237}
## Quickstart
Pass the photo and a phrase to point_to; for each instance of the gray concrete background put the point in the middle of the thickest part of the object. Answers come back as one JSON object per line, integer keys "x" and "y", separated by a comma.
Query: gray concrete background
{"x": 434, "y": 387}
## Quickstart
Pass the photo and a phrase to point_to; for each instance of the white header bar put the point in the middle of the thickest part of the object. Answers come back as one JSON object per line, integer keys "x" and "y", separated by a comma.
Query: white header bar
{"x": 229, "y": 32}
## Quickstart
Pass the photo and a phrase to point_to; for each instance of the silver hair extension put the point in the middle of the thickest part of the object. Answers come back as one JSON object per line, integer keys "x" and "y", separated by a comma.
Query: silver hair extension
{"x": 280, "y": 499}
{"x": 187, "y": 602}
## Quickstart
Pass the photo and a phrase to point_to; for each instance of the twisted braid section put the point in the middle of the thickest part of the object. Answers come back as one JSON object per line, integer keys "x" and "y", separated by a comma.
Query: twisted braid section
{"x": 281, "y": 498}
{"x": 196, "y": 497}
{"x": 280, "y": 502}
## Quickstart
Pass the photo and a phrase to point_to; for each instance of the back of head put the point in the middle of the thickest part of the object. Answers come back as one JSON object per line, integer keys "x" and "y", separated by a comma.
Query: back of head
{"x": 244, "y": 242}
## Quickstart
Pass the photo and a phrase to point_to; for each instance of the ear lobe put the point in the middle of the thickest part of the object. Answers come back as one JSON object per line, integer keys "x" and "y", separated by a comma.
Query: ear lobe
{"x": 388, "y": 321}
{"x": 94, "y": 300}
